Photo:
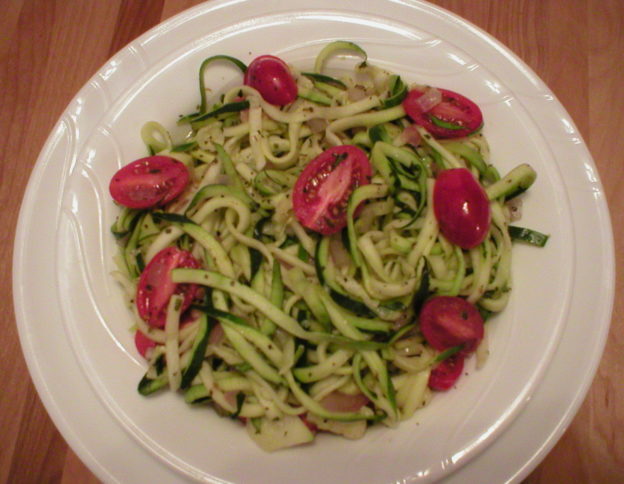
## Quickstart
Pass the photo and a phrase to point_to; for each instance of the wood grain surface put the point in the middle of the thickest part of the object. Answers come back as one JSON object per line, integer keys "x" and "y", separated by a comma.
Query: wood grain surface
{"x": 50, "y": 48}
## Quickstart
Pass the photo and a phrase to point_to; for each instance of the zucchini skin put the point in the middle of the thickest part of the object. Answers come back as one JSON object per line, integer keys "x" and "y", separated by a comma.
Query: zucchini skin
{"x": 513, "y": 183}
{"x": 199, "y": 350}
{"x": 197, "y": 394}
{"x": 147, "y": 385}
{"x": 353, "y": 305}
{"x": 528, "y": 236}
{"x": 321, "y": 262}
{"x": 125, "y": 222}
{"x": 228, "y": 285}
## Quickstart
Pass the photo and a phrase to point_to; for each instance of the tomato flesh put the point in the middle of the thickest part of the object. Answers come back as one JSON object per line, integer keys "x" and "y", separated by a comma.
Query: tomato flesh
{"x": 155, "y": 286}
{"x": 448, "y": 321}
{"x": 322, "y": 191}
{"x": 446, "y": 373}
{"x": 149, "y": 182}
{"x": 454, "y": 117}
{"x": 311, "y": 426}
{"x": 143, "y": 343}
{"x": 270, "y": 76}
{"x": 461, "y": 207}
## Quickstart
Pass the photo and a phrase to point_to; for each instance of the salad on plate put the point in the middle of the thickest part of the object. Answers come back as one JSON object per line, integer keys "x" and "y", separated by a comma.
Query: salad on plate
{"x": 321, "y": 252}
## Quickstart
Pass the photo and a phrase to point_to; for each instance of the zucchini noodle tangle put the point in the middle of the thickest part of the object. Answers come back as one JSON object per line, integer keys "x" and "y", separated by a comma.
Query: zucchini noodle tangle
{"x": 289, "y": 320}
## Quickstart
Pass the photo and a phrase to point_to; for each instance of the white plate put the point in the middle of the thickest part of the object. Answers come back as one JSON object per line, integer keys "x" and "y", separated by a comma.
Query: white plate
{"x": 74, "y": 327}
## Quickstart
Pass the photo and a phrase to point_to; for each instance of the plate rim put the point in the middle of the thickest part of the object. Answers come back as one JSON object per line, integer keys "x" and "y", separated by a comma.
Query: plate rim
{"x": 38, "y": 170}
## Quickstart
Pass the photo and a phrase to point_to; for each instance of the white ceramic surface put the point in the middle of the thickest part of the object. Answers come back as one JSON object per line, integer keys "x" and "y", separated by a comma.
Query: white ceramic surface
{"x": 74, "y": 327}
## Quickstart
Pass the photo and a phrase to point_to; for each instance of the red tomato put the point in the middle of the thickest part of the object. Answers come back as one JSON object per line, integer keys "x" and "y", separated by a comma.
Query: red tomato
{"x": 446, "y": 373}
{"x": 461, "y": 207}
{"x": 447, "y": 321}
{"x": 155, "y": 286}
{"x": 149, "y": 182}
{"x": 321, "y": 193}
{"x": 454, "y": 117}
{"x": 143, "y": 343}
{"x": 270, "y": 76}
{"x": 311, "y": 426}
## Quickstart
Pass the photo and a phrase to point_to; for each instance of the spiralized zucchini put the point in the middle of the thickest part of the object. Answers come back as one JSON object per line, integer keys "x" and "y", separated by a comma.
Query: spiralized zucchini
{"x": 293, "y": 316}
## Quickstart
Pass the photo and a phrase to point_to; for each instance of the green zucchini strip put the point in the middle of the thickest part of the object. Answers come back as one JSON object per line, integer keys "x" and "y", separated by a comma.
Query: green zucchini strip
{"x": 202, "y": 69}
{"x": 230, "y": 286}
{"x": 513, "y": 183}
{"x": 359, "y": 195}
{"x": 528, "y": 236}
{"x": 317, "y": 409}
{"x": 172, "y": 326}
{"x": 332, "y": 49}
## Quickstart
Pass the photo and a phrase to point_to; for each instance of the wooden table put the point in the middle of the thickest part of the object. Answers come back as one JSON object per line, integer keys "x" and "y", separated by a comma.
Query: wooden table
{"x": 50, "y": 48}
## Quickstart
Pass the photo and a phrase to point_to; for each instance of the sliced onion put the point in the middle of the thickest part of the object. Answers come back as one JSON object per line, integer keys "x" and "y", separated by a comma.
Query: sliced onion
{"x": 230, "y": 397}
{"x": 430, "y": 98}
{"x": 356, "y": 93}
{"x": 339, "y": 254}
{"x": 410, "y": 136}
{"x": 216, "y": 335}
{"x": 317, "y": 125}
{"x": 342, "y": 402}
{"x": 222, "y": 179}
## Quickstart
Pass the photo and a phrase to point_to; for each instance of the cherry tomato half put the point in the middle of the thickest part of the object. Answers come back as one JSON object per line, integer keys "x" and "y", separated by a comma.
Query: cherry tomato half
{"x": 149, "y": 182}
{"x": 270, "y": 76}
{"x": 311, "y": 426}
{"x": 446, "y": 373}
{"x": 143, "y": 343}
{"x": 321, "y": 193}
{"x": 461, "y": 207}
{"x": 155, "y": 286}
{"x": 448, "y": 321}
{"x": 455, "y": 116}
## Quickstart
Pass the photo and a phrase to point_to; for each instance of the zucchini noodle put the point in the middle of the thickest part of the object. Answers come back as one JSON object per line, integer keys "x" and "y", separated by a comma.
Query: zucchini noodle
{"x": 290, "y": 318}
